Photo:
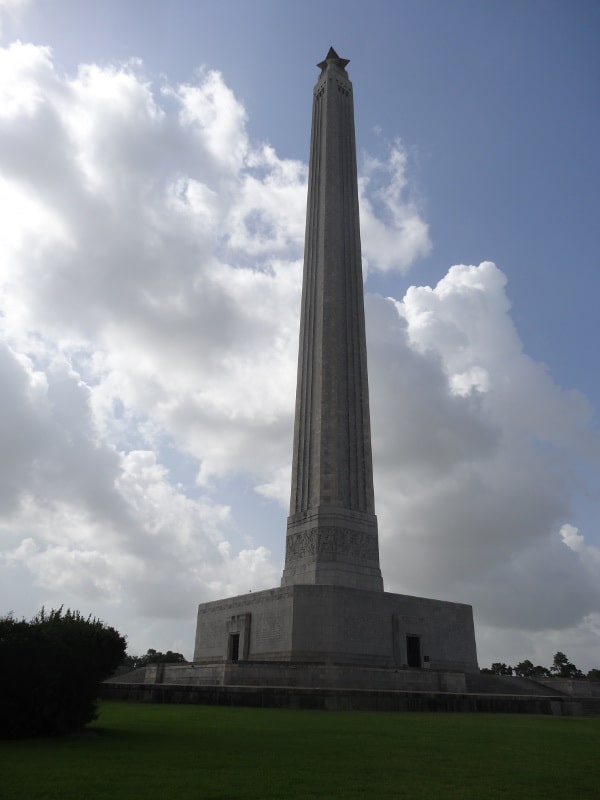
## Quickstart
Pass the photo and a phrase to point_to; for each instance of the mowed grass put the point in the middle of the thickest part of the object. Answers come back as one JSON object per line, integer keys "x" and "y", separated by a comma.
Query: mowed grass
{"x": 165, "y": 751}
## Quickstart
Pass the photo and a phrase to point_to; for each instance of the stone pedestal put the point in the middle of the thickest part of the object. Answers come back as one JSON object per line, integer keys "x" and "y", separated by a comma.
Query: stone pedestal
{"x": 336, "y": 625}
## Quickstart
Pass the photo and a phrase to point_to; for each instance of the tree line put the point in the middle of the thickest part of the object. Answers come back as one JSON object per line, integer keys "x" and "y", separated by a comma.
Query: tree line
{"x": 561, "y": 668}
{"x": 152, "y": 657}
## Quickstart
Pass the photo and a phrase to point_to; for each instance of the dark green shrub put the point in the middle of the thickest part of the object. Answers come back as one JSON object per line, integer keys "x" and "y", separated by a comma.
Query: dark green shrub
{"x": 50, "y": 669}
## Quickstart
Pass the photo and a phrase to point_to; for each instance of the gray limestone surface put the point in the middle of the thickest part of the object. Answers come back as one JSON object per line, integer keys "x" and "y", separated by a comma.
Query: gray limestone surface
{"x": 332, "y": 528}
{"x": 331, "y": 620}
{"x": 338, "y": 625}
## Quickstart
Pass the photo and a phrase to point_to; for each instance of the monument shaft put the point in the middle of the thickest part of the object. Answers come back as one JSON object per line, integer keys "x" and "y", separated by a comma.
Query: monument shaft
{"x": 332, "y": 528}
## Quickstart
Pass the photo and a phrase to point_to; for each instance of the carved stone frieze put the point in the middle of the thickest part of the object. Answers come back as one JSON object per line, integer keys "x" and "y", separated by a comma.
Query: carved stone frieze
{"x": 333, "y": 543}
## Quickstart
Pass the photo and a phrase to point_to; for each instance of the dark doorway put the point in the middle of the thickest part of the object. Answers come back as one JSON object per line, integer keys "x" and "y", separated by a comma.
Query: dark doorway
{"x": 234, "y": 647}
{"x": 413, "y": 651}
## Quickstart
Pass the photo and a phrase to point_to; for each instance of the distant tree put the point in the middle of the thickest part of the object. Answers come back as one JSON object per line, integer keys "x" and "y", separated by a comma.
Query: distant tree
{"x": 525, "y": 669}
{"x": 156, "y": 657}
{"x": 131, "y": 661}
{"x": 500, "y": 669}
{"x": 541, "y": 672}
{"x": 50, "y": 671}
{"x": 562, "y": 667}
{"x": 153, "y": 657}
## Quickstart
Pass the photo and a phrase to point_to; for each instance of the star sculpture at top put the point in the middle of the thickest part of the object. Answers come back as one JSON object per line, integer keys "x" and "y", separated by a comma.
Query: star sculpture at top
{"x": 333, "y": 56}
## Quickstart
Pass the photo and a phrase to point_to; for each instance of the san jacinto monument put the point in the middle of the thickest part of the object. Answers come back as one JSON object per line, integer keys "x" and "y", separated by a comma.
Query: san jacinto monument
{"x": 331, "y": 622}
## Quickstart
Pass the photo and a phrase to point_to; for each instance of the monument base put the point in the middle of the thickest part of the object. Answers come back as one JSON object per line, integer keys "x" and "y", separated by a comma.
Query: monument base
{"x": 307, "y": 676}
{"x": 335, "y": 625}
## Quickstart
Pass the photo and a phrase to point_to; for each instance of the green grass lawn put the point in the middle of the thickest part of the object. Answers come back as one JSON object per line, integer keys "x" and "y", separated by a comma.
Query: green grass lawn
{"x": 181, "y": 752}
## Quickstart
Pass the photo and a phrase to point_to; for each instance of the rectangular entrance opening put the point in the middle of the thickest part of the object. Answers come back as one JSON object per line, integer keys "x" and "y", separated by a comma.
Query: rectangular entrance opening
{"x": 413, "y": 651}
{"x": 233, "y": 649}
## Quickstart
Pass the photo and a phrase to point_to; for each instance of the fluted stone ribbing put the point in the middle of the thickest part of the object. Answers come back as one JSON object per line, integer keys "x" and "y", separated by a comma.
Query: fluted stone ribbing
{"x": 332, "y": 527}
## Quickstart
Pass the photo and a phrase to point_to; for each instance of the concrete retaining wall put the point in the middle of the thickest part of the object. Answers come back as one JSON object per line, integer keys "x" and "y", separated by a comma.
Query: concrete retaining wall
{"x": 574, "y": 687}
{"x": 249, "y": 673}
{"x": 348, "y": 699}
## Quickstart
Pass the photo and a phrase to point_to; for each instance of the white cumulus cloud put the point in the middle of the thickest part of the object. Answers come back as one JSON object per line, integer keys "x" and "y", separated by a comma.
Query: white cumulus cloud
{"x": 475, "y": 450}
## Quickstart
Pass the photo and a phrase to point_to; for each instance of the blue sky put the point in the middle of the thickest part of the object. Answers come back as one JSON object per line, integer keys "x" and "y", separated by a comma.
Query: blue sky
{"x": 153, "y": 232}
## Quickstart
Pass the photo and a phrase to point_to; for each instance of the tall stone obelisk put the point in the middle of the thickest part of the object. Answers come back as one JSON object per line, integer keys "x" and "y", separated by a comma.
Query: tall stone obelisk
{"x": 332, "y": 527}
{"x": 330, "y": 611}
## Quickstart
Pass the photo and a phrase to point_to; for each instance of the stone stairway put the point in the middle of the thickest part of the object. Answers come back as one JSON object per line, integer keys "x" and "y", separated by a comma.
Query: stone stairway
{"x": 134, "y": 676}
{"x": 478, "y": 683}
